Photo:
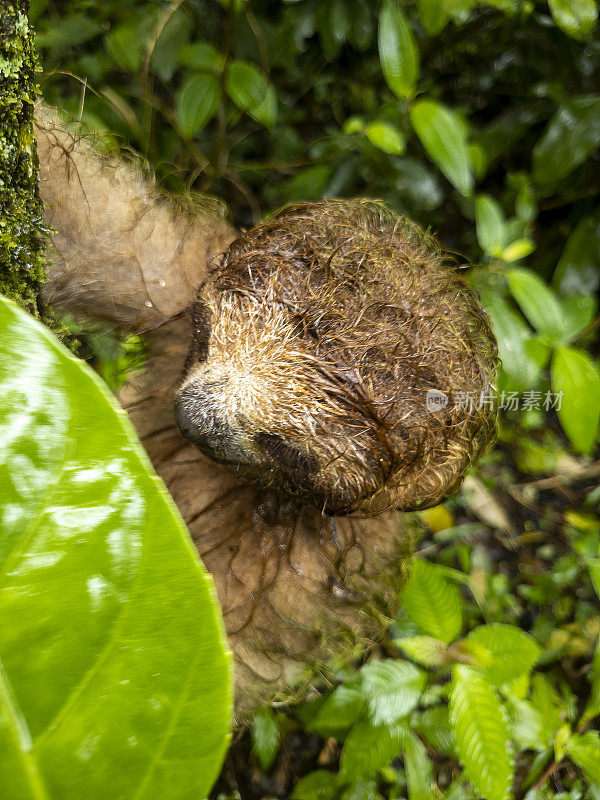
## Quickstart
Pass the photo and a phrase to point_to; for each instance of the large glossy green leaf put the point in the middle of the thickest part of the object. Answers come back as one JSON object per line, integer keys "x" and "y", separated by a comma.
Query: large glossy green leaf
{"x": 481, "y": 735}
{"x": 577, "y": 377}
{"x": 432, "y": 602}
{"x": 502, "y": 652}
{"x": 398, "y": 52}
{"x": 572, "y": 134}
{"x": 577, "y": 18}
{"x": 114, "y": 677}
{"x": 391, "y": 688}
{"x": 443, "y": 137}
{"x": 196, "y": 102}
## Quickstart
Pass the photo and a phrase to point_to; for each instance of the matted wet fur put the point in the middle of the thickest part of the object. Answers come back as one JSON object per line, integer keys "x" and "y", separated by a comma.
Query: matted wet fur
{"x": 303, "y": 365}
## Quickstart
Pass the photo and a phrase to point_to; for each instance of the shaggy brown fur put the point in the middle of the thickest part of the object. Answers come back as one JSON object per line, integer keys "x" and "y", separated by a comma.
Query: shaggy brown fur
{"x": 314, "y": 340}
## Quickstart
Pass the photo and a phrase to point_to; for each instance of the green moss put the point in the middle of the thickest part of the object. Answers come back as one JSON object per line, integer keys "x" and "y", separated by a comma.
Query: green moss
{"x": 23, "y": 234}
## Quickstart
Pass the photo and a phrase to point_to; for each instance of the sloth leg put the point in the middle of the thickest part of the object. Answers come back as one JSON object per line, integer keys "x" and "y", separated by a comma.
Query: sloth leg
{"x": 120, "y": 251}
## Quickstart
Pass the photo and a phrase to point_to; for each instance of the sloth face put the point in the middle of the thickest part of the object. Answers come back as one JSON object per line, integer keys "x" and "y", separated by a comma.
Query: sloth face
{"x": 314, "y": 348}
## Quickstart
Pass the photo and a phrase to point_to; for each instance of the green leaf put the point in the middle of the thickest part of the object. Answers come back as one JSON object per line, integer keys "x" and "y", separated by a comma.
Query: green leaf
{"x": 578, "y": 312}
{"x": 577, "y": 18}
{"x": 431, "y": 602}
{"x": 443, "y": 137}
{"x": 265, "y": 737}
{"x": 418, "y": 768}
{"x": 584, "y": 750}
{"x": 398, "y": 51}
{"x": 571, "y": 136}
{"x": 526, "y": 725}
{"x": 576, "y": 376}
{"x": 433, "y": 16}
{"x": 538, "y": 302}
{"x": 481, "y": 735}
{"x": 578, "y": 271}
{"x": 391, "y": 688}
{"x": 502, "y": 652}
{"x": 517, "y": 250}
{"x": 548, "y": 705}
{"x": 512, "y": 336}
{"x": 318, "y": 785}
{"x": 112, "y": 650}
{"x": 338, "y": 713}
{"x": 251, "y": 92}
{"x": 386, "y": 137}
{"x": 126, "y": 43}
{"x": 196, "y": 102}
{"x": 490, "y": 223}
{"x": 370, "y": 747}
{"x": 433, "y": 725}
{"x": 73, "y": 29}
{"x": 361, "y": 790}
{"x": 425, "y": 650}
{"x": 201, "y": 56}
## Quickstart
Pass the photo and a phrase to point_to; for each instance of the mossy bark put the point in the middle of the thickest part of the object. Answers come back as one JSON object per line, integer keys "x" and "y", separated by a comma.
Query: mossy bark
{"x": 23, "y": 235}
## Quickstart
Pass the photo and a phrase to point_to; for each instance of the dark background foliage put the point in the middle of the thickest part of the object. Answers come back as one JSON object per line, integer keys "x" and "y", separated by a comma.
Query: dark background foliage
{"x": 480, "y": 120}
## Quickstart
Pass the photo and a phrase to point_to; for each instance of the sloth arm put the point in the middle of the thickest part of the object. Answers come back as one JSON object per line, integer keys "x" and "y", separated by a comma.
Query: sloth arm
{"x": 121, "y": 252}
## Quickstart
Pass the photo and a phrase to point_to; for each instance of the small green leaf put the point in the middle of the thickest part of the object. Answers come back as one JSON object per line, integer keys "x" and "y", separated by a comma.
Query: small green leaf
{"x": 196, "y": 102}
{"x": 361, "y": 790}
{"x": 202, "y": 57}
{"x": 431, "y": 602}
{"x": 433, "y": 725}
{"x": 386, "y": 137}
{"x": 578, "y": 312}
{"x": 490, "y": 223}
{"x": 433, "y": 16}
{"x": 538, "y": 302}
{"x": 513, "y": 336}
{"x": 370, "y": 747}
{"x": 571, "y": 136}
{"x": 112, "y": 649}
{"x": 481, "y": 736}
{"x": 318, "y": 785}
{"x": 425, "y": 650}
{"x": 526, "y": 725}
{"x": 502, "y": 652}
{"x": 338, "y": 713}
{"x": 251, "y": 92}
{"x": 265, "y": 737}
{"x": 391, "y": 688}
{"x": 443, "y": 137}
{"x": 576, "y": 376}
{"x": 584, "y": 750}
{"x": 418, "y": 768}
{"x": 577, "y": 18}
{"x": 548, "y": 705}
{"x": 578, "y": 271}
{"x": 398, "y": 52}
{"x": 517, "y": 250}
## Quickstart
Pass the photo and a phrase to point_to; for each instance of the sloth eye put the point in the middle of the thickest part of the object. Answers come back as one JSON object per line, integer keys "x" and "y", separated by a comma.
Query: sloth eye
{"x": 285, "y": 454}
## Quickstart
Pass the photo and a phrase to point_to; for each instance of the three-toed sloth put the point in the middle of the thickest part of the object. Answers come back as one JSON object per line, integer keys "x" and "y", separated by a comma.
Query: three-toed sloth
{"x": 285, "y": 401}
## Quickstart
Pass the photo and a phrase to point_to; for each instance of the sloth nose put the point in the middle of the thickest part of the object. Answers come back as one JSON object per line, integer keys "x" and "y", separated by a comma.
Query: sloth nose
{"x": 199, "y": 421}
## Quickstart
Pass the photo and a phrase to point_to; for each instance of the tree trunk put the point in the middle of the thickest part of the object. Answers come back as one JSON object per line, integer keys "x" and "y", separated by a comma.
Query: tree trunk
{"x": 23, "y": 235}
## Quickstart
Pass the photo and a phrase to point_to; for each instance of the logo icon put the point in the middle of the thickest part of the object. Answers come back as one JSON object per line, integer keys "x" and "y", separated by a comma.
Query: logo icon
{"x": 436, "y": 400}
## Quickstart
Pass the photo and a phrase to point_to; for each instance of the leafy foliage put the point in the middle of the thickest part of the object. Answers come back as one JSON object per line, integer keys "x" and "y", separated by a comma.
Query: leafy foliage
{"x": 479, "y": 120}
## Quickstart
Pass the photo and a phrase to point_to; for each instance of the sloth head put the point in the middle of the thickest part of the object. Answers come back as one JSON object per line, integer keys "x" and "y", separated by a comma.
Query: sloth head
{"x": 336, "y": 357}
